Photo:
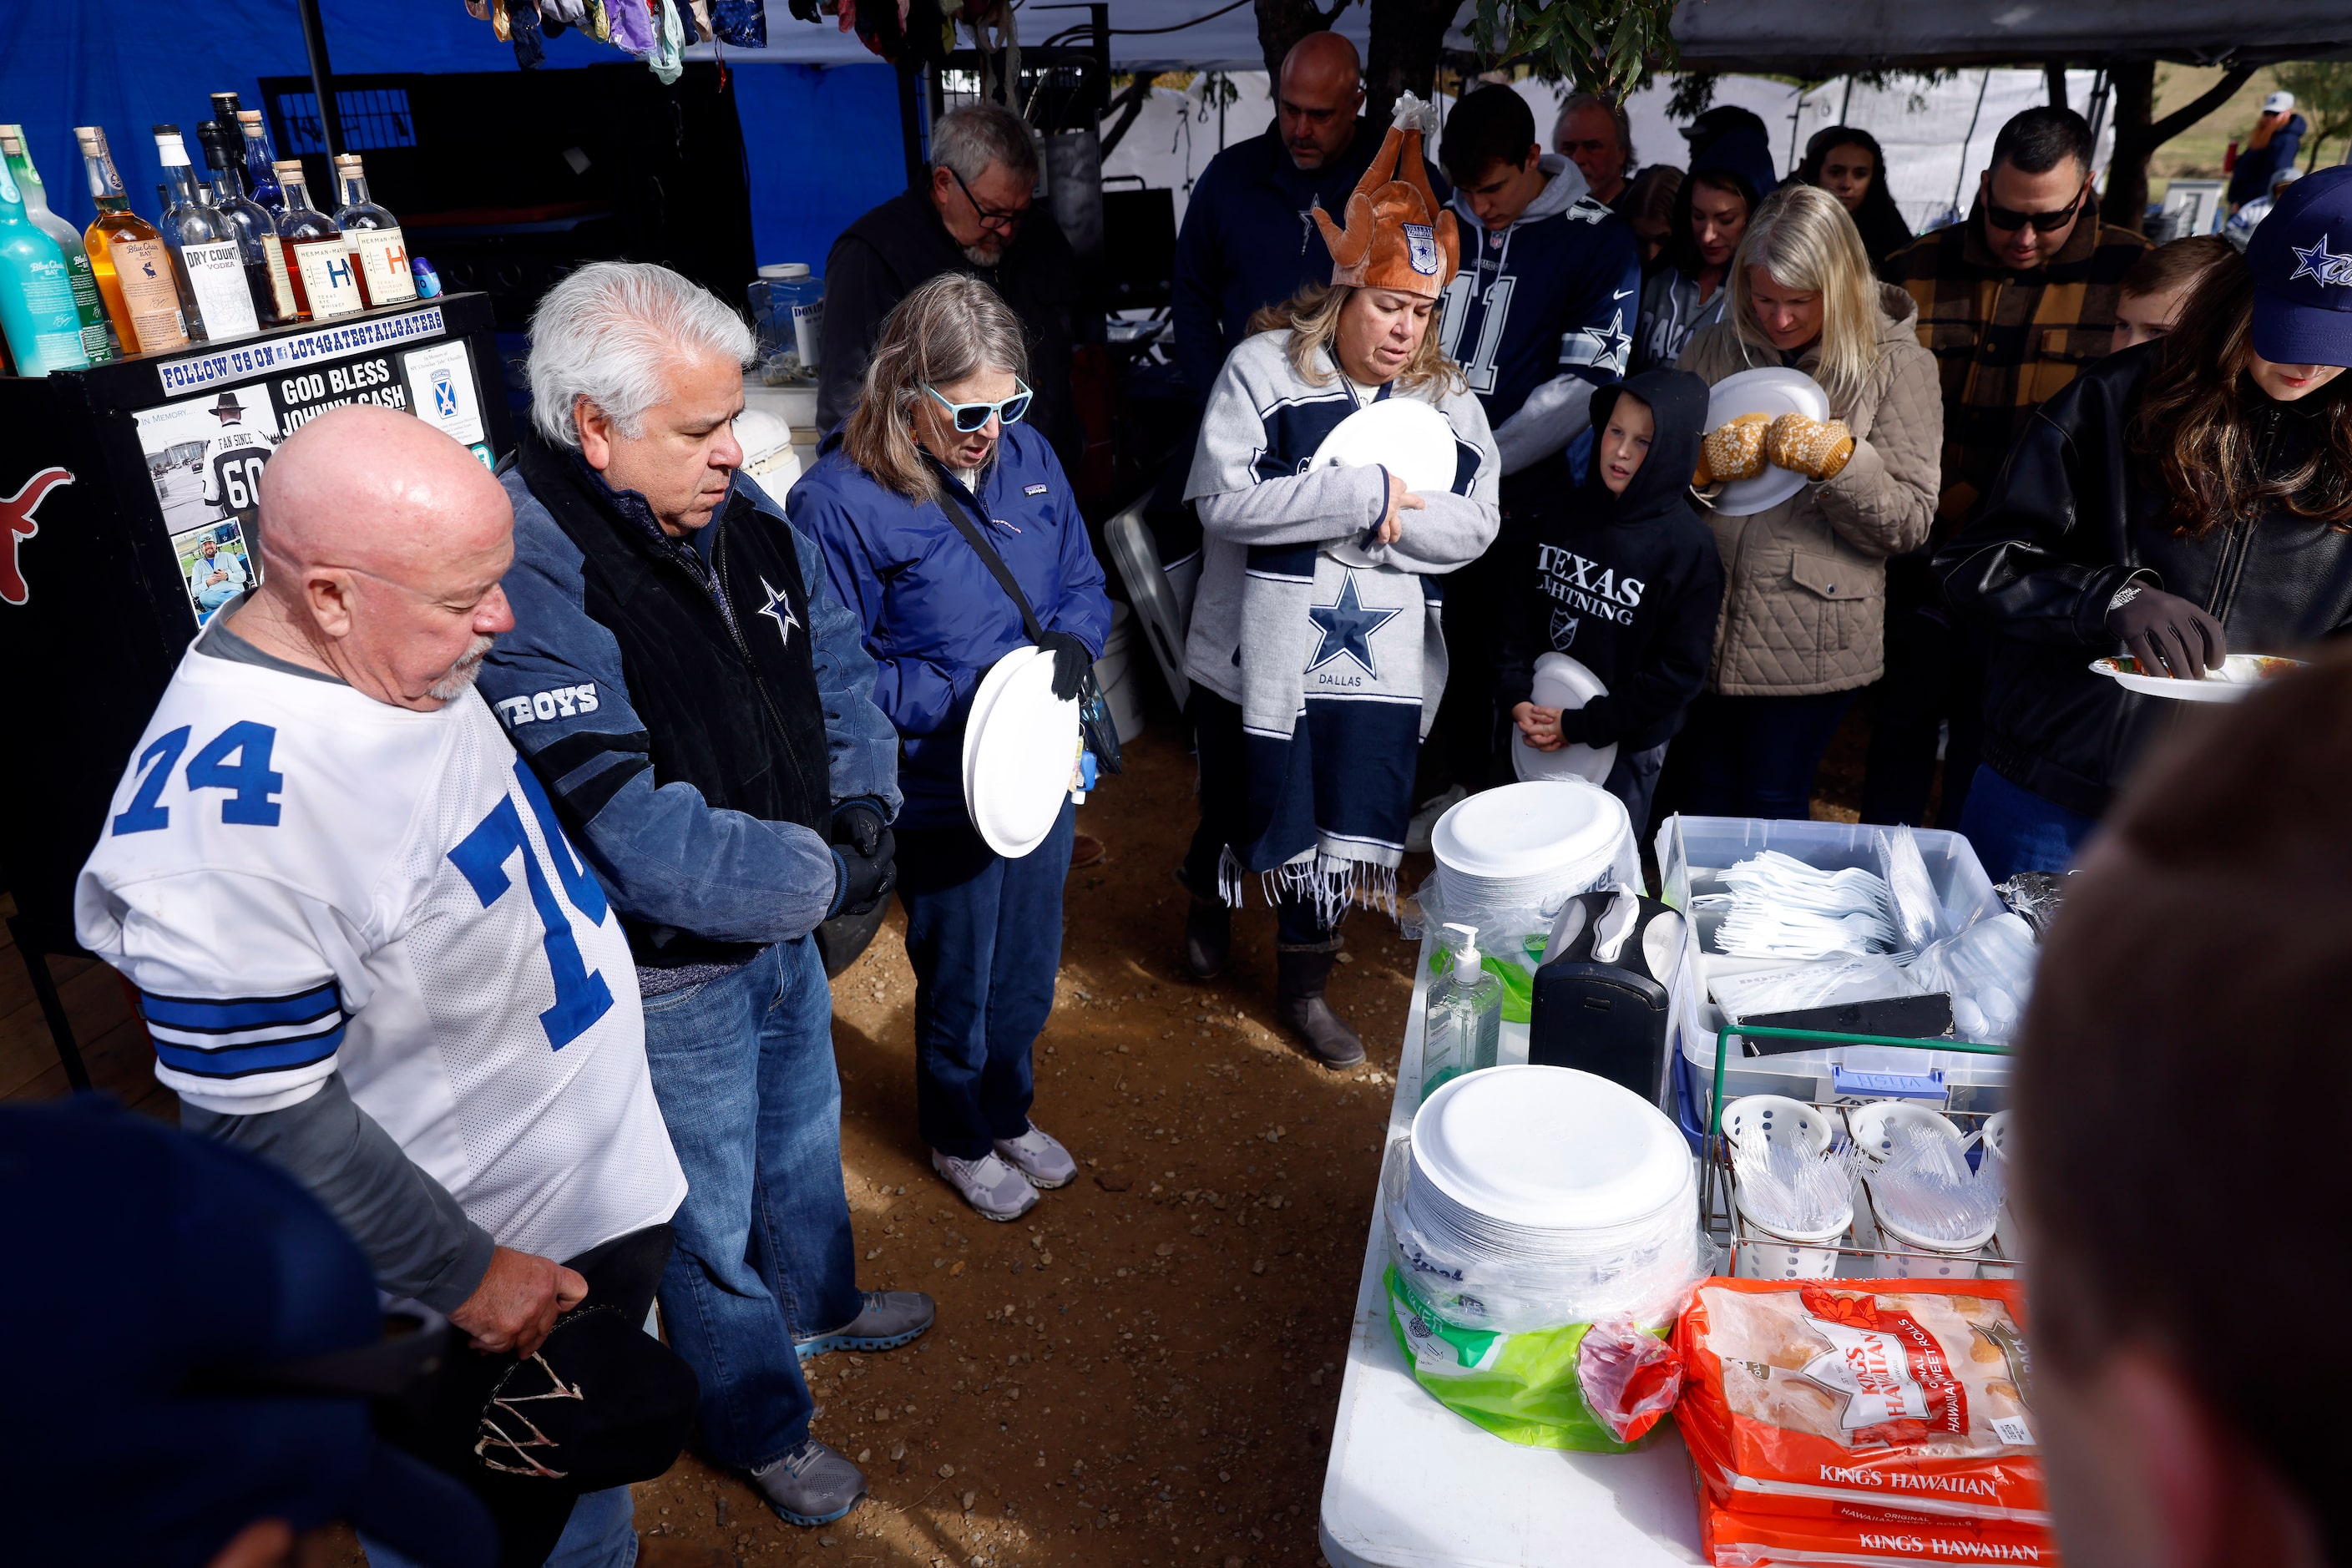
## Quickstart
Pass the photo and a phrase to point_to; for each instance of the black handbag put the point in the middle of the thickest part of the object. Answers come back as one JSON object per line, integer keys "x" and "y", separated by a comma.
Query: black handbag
{"x": 1095, "y": 721}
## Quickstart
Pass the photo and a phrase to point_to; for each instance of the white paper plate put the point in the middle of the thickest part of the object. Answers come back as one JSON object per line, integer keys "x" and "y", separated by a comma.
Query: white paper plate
{"x": 1528, "y": 830}
{"x": 1549, "y": 1148}
{"x": 1018, "y": 752}
{"x": 1565, "y": 683}
{"x": 2240, "y": 674}
{"x": 1773, "y": 391}
{"x": 1408, "y": 436}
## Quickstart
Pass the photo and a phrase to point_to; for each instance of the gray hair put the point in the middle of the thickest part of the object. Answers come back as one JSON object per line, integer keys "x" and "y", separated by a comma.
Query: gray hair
{"x": 944, "y": 331}
{"x": 970, "y": 138}
{"x": 1610, "y": 107}
{"x": 610, "y": 331}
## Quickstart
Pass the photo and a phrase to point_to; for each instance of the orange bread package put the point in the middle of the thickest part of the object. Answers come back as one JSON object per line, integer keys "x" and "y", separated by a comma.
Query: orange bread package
{"x": 1864, "y": 1538}
{"x": 1801, "y": 1396}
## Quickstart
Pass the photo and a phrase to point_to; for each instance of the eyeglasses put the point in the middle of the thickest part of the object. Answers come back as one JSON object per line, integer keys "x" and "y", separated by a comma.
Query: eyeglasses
{"x": 2010, "y": 220}
{"x": 971, "y": 418}
{"x": 1004, "y": 218}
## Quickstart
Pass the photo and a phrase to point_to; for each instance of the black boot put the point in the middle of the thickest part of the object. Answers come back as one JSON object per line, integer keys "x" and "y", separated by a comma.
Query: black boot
{"x": 1299, "y": 979}
{"x": 1208, "y": 938}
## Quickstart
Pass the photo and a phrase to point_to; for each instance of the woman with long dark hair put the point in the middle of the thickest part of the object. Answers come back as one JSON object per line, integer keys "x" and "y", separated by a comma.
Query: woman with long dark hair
{"x": 1849, "y": 165}
{"x": 2179, "y": 499}
{"x": 1692, "y": 285}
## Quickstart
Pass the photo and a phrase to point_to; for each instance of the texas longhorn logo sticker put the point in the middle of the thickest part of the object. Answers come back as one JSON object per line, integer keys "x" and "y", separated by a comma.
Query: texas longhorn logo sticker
{"x": 16, "y": 525}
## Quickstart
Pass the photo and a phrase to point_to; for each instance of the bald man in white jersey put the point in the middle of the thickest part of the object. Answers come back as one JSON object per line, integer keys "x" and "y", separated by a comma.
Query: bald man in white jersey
{"x": 364, "y": 948}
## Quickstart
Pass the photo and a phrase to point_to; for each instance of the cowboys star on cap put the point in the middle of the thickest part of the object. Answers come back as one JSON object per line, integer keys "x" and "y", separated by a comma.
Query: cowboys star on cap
{"x": 2315, "y": 261}
{"x": 778, "y": 609}
{"x": 1347, "y": 628}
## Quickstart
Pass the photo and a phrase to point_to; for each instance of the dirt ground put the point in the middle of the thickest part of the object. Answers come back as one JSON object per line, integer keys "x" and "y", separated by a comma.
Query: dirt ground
{"x": 1145, "y": 1368}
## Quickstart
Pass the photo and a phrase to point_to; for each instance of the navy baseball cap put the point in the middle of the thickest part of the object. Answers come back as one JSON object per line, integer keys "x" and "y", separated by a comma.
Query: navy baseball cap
{"x": 196, "y": 1342}
{"x": 2301, "y": 257}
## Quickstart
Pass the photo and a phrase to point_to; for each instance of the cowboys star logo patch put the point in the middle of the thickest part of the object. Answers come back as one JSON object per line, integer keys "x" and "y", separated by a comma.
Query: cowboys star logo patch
{"x": 1420, "y": 248}
{"x": 2315, "y": 261}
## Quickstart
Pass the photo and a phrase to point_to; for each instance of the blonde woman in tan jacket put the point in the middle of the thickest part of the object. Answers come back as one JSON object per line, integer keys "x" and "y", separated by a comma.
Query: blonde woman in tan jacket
{"x": 1803, "y": 615}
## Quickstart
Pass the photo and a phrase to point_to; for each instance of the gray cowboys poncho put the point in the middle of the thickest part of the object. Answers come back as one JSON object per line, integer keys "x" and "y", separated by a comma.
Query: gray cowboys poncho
{"x": 1336, "y": 668}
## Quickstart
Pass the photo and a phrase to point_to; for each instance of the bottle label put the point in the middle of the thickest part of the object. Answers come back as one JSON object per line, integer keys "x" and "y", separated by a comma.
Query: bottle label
{"x": 96, "y": 340}
{"x": 329, "y": 278}
{"x": 281, "y": 289}
{"x": 142, "y": 268}
{"x": 383, "y": 263}
{"x": 216, "y": 278}
{"x": 57, "y": 325}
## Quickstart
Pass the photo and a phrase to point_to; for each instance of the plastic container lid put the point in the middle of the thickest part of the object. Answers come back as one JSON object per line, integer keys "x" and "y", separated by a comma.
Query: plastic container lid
{"x": 1549, "y": 1148}
{"x": 783, "y": 269}
{"x": 1532, "y": 828}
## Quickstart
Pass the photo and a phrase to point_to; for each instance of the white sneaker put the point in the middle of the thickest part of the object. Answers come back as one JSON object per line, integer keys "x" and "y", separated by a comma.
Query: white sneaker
{"x": 990, "y": 1185}
{"x": 1039, "y": 1155}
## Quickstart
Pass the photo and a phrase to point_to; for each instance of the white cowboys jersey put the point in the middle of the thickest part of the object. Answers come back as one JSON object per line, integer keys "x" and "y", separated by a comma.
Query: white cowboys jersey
{"x": 301, "y": 881}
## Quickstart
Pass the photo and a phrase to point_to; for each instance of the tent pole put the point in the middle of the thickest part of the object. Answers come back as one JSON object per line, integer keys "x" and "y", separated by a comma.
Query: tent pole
{"x": 323, "y": 79}
{"x": 910, "y": 129}
{"x": 1961, "y": 179}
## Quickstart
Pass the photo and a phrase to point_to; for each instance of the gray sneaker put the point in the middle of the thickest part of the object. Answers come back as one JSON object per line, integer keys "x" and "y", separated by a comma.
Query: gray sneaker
{"x": 989, "y": 1184}
{"x": 812, "y": 1484}
{"x": 1039, "y": 1156}
{"x": 890, "y": 1319}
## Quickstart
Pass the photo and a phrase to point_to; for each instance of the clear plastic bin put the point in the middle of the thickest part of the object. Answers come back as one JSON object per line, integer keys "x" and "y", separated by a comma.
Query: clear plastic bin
{"x": 1693, "y": 851}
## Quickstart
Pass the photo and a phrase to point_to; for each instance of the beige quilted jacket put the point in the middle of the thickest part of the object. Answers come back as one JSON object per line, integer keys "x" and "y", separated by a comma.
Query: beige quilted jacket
{"x": 1805, "y": 606}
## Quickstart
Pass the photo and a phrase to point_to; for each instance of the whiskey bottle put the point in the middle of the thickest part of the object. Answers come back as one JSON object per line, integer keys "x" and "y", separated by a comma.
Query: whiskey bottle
{"x": 260, "y": 161}
{"x": 318, "y": 258}
{"x": 377, "y": 248}
{"x": 128, "y": 257}
{"x": 257, "y": 232}
{"x": 210, "y": 262}
{"x": 97, "y": 331}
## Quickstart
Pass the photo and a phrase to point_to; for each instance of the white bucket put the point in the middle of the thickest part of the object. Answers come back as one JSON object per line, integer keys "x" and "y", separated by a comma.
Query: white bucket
{"x": 1767, "y": 1255}
{"x": 1115, "y": 672}
{"x": 1779, "y": 1120}
{"x": 1907, "y": 1257}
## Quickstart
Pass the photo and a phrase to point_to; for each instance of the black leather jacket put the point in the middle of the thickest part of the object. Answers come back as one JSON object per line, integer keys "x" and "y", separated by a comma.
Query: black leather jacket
{"x": 2073, "y": 516}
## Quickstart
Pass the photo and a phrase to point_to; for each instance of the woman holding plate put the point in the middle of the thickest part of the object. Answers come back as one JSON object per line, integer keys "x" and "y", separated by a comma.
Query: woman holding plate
{"x": 1803, "y": 614}
{"x": 938, "y": 440}
{"x": 2182, "y": 498}
{"x": 1314, "y": 652}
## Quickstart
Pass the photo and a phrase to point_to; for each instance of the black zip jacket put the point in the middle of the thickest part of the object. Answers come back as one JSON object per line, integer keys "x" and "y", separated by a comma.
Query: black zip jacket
{"x": 1629, "y": 585}
{"x": 2072, "y": 516}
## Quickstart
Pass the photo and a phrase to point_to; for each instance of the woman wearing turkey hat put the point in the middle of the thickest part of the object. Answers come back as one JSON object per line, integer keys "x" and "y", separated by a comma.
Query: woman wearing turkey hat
{"x": 1314, "y": 654}
{"x": 2180, "y": 501}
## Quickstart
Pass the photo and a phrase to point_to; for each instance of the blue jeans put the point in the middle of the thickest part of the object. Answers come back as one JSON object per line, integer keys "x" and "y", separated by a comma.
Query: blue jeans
{"x": 2014, "y": 830}
{"x": 602, "y": 1534}
{"x": 1755, "y": 756}
{"x": 984, "y": 934}
{"x": 1633, "y": 780}
{"x": 744, "y": 1068}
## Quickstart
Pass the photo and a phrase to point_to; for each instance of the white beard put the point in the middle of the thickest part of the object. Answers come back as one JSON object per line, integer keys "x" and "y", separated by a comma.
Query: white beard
{"x": 459, "y": 678}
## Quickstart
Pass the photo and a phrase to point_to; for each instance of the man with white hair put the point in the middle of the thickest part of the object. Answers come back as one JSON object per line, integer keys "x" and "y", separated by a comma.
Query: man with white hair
{"x": 977, "y": 214}
{"x": 364, "y": 948}
{"x": 700, "y": 708}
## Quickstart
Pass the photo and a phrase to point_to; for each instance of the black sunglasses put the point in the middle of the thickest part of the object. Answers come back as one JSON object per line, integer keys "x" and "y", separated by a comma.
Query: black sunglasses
{"x": 1006, "y": 219}
{"x": 2010, "y": 220}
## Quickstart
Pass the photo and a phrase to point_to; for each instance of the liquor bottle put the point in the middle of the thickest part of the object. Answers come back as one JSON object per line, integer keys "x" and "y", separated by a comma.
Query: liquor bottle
{"x": 133, "y": 264}
{"x": 257, "y": 232}
{"x": 224, "y": 111}
{"x": 97, "y": 331}
{"x": 260, "y": 161}
{"x": 377, "y": 248}
{"x": 318, "y": 258}
{"x": 37, "y": 304}
{"x": 210, "y": 260}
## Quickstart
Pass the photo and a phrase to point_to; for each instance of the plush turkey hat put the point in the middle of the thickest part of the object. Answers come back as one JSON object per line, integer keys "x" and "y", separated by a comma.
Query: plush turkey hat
{"x": 1398, "y": 236}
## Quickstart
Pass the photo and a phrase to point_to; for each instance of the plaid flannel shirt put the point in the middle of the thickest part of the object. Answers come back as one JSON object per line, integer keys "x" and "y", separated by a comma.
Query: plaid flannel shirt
{"x": 2005, "y": 341}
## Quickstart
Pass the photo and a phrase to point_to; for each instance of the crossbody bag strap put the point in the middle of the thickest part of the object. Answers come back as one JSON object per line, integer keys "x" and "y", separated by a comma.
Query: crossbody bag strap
{"x": 996, "y": 569}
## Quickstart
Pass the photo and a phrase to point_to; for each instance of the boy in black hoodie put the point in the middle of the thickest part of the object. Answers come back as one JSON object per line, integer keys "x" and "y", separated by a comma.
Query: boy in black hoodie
{"x": 1628, "y": 583}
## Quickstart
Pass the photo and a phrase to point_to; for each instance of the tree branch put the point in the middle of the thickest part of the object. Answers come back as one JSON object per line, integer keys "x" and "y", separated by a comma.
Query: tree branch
{"x": 1127, "y": 106}
{"x": 2197, "y": 108}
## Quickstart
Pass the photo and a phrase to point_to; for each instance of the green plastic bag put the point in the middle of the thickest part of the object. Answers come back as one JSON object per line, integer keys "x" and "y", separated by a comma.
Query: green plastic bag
{"x": 1520, "y": 1387}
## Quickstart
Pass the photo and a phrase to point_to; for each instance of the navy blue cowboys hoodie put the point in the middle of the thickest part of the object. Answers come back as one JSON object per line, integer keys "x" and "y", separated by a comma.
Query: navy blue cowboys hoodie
{"x": 1629, "y": 585}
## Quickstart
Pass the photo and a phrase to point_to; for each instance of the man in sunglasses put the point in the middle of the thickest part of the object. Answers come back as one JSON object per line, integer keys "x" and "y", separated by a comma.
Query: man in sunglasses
{"x": 2014, "y": 303}
{"x": 978, "y": 212}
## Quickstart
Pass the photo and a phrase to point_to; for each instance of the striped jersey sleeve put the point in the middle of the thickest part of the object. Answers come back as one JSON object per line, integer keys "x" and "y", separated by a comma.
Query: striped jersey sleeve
{"x": 273, "y": 1043}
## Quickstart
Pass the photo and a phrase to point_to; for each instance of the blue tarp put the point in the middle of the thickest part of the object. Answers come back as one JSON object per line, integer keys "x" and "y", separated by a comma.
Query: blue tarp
{"x": 822, "y": 144}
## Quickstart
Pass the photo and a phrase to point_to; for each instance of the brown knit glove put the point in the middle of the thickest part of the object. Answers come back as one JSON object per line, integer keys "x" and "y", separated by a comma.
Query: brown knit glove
{"x": 1819, "y": 449}
{"x": 1733, "y": 450}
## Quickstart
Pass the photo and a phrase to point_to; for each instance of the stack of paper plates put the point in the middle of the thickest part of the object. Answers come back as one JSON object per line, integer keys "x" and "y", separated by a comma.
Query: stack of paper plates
{"x": 1526, "y": 846}
{"x": 1564, "y": 683}
{"x": 1019, "y": 746}
{"x": 1409, "y": 437}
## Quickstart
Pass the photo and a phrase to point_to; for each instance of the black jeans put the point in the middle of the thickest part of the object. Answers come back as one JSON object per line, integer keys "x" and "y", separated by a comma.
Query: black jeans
{"x": 1755, "y": 756}
{"x": 1935, "y": 676}
{"x": 1224, "y": 819}
{"x": 1471, "y": 736}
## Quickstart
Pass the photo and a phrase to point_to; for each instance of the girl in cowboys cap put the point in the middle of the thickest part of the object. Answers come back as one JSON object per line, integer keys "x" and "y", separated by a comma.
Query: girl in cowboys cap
{"x": 2182, "y": 500}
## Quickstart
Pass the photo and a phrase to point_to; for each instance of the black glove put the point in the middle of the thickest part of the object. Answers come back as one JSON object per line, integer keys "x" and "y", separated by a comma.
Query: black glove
{"x": 866, "y": 879}
{"x": 857, "y": 822}
{"x": 1071, "y": 662}
{"x": 2165, "y": 632}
